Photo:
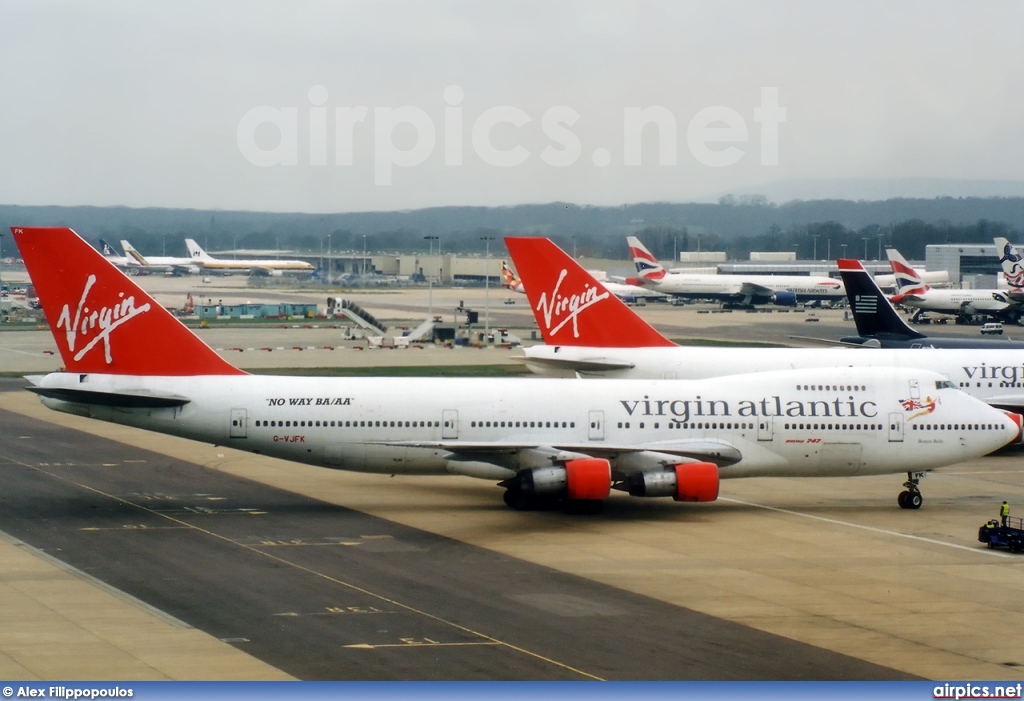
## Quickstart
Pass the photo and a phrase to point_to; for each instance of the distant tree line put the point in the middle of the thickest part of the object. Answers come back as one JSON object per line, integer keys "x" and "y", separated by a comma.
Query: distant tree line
{"x": 736, "y": 225}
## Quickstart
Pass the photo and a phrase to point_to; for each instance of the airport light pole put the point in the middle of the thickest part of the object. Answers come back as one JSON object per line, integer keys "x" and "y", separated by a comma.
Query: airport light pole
{"x": 487, "y": 282}
{"x": 364, "y": 255}
{"x": 430, "y": 284}
{"x": 865, "y": 248}
{"x": 328, "y": 260}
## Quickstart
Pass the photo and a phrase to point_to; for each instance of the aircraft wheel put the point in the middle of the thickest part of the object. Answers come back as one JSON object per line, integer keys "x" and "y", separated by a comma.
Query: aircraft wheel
{"x": 914, "y": 500}
{"x": 902, "y": 500}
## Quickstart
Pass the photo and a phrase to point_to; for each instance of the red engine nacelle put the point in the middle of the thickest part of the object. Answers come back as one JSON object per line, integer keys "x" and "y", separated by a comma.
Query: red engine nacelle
{"x": 588, "y": 478}
{"x": 696, "y": 481}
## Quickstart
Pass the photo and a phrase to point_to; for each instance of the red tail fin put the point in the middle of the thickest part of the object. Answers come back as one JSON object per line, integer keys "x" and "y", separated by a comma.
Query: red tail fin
{"x": 572, "y": 308}
{"x": 102, "y": 321}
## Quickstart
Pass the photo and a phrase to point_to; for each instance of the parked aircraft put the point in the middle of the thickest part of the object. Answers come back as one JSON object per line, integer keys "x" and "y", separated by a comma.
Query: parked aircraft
{"x": 165, "y": 264}
{"x": 627, "y": 293}
{"x": 129, "y": 361}
{"x": 273, "y": 267}
{"x": 738, "y": 291}
{"x": 113, "y": 257}
{"x": 879, "y": 325}
{"x": 588, "y": 332}
{"x": 963, "y": 304}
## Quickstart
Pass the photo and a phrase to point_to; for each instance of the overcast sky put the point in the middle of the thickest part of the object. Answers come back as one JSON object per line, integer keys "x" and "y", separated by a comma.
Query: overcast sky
{"x": 255, "y": 105}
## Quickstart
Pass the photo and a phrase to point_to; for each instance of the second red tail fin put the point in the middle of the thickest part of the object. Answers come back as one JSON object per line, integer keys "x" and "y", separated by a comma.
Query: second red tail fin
{"x": 571, "y": 307}
{"x": 101, "y": 320}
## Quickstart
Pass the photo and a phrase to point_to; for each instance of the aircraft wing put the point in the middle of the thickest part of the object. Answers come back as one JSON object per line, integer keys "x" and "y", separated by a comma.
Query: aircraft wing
{"x": 753, "y": 290}
{"x": 1013, "y": 402}
{"x": 718, "y": 452}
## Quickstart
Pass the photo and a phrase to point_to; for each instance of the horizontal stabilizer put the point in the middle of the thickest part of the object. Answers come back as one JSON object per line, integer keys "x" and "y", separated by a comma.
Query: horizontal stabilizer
{"x": 124, "y": 400}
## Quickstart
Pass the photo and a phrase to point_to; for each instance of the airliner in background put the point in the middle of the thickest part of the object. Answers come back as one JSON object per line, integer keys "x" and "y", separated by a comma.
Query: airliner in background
{"x": 735, "y": 291}
{"x": 270, "y": 267}
{"x": 129, "y": 361}
{"x": 627, "y": 293}
{"x": 879, "y": 325}
{"x": 590, "y": 333}
{"x": 174, "y": 265}
{"x": 913, "y": 292}
{"x": 113, "y": 257}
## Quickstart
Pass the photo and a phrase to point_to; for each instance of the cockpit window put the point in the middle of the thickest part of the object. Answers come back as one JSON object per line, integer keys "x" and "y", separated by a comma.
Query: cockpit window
{"x": 944, "y": 384}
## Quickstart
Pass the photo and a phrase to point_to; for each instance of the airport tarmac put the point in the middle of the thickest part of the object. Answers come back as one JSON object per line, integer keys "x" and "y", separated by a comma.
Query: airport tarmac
{"x": 871, "y": 590}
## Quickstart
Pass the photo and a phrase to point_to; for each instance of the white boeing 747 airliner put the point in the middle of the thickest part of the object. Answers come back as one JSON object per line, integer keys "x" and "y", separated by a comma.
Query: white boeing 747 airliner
{"x": 588, "y": 332}
{"x": 129, "y": 361}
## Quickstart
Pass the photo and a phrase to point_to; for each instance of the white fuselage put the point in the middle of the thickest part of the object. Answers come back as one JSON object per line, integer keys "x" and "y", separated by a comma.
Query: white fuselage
{"x": 995, "y": 376}
{"x": 958, "y": 301}
{"x": 732, "y": 286}
{"x": 802, "y": 423}
{"x": 228, "y": 265}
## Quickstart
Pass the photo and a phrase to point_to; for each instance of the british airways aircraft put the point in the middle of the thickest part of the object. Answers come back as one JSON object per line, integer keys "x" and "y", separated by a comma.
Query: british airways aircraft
{"x": 912, "y": 291}
{"x": 129, "y": 361}
{"x": 738, "y": 291}
{"x": 587, "y": 332}
{"x": 880, "y": 326}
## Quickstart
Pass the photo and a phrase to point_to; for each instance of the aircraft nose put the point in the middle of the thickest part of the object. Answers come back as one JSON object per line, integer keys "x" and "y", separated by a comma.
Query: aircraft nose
{"x": 1018, "y": 422}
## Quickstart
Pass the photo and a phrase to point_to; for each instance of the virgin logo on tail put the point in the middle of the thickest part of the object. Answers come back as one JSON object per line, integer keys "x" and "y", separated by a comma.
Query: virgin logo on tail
{"x": 557, "y": 305}
{"x": 100, "y": 322}
{"x": 544, "y": 266}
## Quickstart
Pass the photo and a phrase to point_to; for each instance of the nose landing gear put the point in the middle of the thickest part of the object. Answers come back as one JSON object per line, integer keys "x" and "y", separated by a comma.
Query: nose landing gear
{"x": 911, "y": 498}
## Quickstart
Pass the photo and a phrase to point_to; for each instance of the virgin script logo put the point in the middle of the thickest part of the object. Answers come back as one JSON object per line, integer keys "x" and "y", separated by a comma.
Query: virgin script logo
{"x": 100, "y": 322}
{"x": 570, "y": 306}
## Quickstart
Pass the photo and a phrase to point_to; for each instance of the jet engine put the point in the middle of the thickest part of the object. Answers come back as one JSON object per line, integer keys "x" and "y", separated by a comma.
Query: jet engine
{"x": 695, "y": 481}
{"x": 784, "y": 299}
{"x": 581, "y": 478}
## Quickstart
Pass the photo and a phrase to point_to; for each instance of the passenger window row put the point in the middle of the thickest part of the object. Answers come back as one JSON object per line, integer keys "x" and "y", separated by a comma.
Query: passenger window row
{"x": 347, "y": 424}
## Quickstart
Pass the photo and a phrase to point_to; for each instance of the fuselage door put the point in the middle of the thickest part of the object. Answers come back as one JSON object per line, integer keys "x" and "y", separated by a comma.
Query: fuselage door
{"x": 596, "y": 429}
{"x": 915, "y": 389}
{"x": 895, "y": 427}
{"x": 450, "y": 423}
{"x": 239, "y": 421}
{"x": 766, "y": 428}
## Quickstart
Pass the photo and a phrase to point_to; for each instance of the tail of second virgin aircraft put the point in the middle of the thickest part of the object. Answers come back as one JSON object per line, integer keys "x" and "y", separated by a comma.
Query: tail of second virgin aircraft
{"x": 571, "y": 307}
{"x": 101, "y": 320}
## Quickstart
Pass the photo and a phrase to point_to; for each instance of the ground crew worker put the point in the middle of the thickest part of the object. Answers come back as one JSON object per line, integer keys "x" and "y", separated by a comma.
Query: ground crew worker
{"x": 1004, "y": 514}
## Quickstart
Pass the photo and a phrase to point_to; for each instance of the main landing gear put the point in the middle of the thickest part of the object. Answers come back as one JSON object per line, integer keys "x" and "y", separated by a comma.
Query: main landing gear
{"x": 911, "y": 499}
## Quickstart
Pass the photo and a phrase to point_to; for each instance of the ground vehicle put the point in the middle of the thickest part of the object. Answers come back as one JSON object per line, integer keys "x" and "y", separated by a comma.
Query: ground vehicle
{"x": 1010, "y": 536}
{"x": 993, "y": 328}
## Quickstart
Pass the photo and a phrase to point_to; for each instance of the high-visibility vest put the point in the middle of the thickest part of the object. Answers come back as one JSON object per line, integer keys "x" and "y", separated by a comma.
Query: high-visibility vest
{"x": 1004, "y": 510}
